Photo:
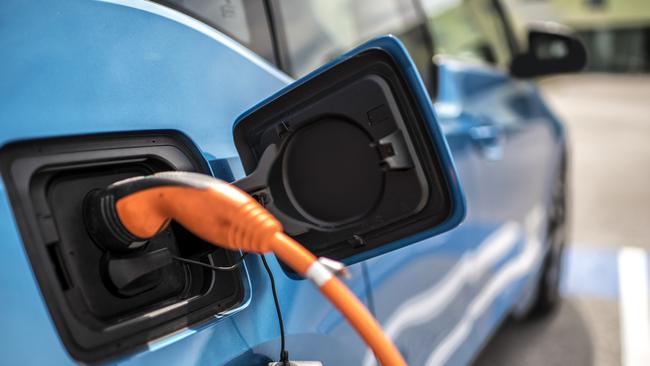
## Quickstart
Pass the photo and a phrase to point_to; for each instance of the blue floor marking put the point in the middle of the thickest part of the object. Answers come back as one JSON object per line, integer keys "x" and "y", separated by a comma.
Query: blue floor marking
{"x": 590, "y": 272}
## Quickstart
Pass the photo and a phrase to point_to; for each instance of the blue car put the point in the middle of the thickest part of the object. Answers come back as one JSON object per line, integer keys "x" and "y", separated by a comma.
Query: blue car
{"x": 426, "y": 161}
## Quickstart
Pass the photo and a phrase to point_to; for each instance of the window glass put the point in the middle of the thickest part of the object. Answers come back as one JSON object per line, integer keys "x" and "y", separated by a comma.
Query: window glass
{"x": 244, "y": 20}
{"x": 317, "y": 31}
{"x": 229, "y": 15}
{"x": 468, "y": 30}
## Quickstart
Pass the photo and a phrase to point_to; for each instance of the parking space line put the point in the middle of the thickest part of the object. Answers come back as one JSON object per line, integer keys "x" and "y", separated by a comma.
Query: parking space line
{"x": 633, "y": 302}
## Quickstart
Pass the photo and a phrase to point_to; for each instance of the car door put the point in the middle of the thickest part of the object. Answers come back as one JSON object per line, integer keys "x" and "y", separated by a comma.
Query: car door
{"x": 460, "y": 285}
{"x": 514, "y": 138}
{"x": 420, "y": 292}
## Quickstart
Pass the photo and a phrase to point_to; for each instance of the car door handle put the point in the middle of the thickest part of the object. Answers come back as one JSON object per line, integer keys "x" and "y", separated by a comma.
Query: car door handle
{"x": 489, "y": 140}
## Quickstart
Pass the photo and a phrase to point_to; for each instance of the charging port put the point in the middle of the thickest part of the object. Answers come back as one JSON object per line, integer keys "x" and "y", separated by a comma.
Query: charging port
{"x": 106, "y": 302}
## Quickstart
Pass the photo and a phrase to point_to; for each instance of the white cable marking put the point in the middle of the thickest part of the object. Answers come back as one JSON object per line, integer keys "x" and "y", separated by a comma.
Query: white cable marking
{"x": 633, "y": 307}
{"x": 318, "y": 273}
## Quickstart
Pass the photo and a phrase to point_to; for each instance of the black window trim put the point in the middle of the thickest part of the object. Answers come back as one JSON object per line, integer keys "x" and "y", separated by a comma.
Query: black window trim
{"x": 511, "y": 40}
{"x": 279, "y": 35}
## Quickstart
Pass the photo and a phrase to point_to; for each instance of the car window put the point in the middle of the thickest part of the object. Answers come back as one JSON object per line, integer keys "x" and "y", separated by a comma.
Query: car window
{"x": 470, "y": 30}
{"x": 317, "y": 31}
{"x": 244, "y": 20}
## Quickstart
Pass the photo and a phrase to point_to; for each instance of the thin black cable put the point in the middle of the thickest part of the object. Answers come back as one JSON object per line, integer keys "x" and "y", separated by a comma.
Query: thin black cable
{"x": 284, "y": 355}
{"x": 216, "y": 268}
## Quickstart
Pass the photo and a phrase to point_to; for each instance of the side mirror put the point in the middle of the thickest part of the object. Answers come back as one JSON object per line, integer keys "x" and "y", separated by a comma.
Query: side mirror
{"x": 551, "y": 50}
{"x": 351, "y": 158}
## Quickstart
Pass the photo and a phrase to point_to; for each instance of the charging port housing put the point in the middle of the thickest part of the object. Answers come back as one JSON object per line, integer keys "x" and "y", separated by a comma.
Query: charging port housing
{"x": 47, "y": 182}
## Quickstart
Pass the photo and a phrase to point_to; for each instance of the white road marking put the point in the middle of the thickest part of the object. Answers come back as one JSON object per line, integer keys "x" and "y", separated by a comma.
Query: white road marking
{"x": 633, "y": 302}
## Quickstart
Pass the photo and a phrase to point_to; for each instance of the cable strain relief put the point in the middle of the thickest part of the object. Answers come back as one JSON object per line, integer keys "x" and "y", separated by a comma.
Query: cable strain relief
{"x": 253, "y": 228}
{"x": 284, "y": 357}
{"x": 104, "y": 226}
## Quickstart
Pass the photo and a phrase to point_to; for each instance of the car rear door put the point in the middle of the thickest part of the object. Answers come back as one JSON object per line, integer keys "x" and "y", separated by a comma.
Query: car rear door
{"x": 420, "y": 292}
{"x": 514, "y": 138}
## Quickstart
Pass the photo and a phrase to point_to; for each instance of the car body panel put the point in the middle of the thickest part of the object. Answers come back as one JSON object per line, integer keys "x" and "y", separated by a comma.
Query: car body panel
{"x": 119, "y": 76}
{"x": 78, "y": 67}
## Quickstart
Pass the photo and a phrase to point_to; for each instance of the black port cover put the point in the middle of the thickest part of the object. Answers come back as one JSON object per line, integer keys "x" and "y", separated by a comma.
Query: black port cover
{"x": 350, "y": 158}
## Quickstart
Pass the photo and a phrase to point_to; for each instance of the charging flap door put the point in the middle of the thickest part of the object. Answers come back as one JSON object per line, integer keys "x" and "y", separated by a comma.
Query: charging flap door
{"x": 351, "y": 158}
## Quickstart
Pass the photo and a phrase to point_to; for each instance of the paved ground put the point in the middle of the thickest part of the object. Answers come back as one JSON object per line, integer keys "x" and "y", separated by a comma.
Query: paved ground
{"x": 608, "y": 118}
{"x": 609, "y": 122}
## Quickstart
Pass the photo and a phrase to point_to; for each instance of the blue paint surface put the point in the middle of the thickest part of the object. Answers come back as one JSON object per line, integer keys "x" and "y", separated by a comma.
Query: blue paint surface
{"x": 501, "y": 188}
{"x": 76, "y": 67}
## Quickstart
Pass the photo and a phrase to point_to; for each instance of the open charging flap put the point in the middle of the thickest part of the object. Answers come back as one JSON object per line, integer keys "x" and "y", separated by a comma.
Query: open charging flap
{"x": 351, "y": 158}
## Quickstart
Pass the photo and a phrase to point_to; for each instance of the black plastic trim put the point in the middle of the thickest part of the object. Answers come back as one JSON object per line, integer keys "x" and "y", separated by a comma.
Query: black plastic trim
{"x": 29, "y": 167}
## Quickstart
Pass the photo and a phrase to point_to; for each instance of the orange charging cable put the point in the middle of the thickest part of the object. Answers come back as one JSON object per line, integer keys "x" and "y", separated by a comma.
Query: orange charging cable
{"x": 227, "y": 217}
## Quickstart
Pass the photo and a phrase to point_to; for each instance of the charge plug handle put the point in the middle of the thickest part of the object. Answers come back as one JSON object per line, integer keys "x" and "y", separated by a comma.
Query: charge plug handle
{"x": 126, "y": 275}
{"x": 225, "y": 216}
{"x": 104, "y": 226}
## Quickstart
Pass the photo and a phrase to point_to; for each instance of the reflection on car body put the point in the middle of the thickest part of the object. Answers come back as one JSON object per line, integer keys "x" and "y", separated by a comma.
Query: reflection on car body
{"x": 134, "y": 74}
